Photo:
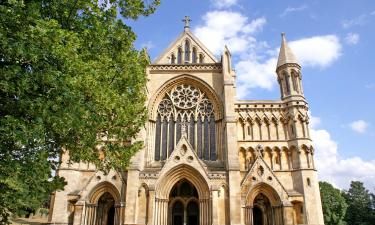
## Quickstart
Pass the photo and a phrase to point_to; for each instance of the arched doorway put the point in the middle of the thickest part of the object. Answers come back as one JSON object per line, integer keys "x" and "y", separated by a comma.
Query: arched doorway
{"x": 105, "y": 212}
{"x": 192, "y": 213}
{"x": 262, "y": 211}
{"x": 258, "y": 216}
{"x": 184, "y": 204}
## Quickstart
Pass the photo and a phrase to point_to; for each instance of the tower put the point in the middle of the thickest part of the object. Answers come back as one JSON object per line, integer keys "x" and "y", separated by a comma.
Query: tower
{"x": 288, "y": 72}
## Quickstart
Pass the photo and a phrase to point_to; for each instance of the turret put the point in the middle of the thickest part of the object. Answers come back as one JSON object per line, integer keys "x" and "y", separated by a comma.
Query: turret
{"x": 288, "y": 72}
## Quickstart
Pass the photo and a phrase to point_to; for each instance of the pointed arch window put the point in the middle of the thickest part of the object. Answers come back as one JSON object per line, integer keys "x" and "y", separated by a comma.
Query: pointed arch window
{"x": 194, "y": 55}
{"x": 200, "y": 58}
{"x": 294, "y": 80}
{"x": 179, "y": 56}
{"x": 287, "y": 84}
{"x": 185, "y": 109}
{"x": 187, "y": 51}
{"x": 173, "y": 59}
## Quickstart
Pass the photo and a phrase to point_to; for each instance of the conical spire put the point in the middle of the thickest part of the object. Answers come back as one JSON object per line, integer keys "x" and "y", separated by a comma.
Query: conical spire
{"x": 285, "y": 55}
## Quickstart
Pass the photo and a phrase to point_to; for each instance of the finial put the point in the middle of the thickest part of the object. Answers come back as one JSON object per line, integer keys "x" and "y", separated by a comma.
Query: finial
{"x": 282, "y": 34}
{"x": 187, "y": 21}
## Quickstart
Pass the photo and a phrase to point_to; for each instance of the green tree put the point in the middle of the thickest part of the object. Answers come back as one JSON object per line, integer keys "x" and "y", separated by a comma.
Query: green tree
{"x": 360, "y": 210}
{"x": 70, "y": 78}
{"x": 333, "y": 203}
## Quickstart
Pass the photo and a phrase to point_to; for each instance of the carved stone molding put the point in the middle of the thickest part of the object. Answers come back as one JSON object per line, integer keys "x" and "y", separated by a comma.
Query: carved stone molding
{"x": 212, "y": 67}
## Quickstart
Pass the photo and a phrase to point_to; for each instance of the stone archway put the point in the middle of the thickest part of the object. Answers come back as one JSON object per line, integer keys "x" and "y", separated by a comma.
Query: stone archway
{"x": 104, "y": 206}
{"x": 263, "y": 206}
{"x": 183, "y": 204}
{"x": 182, "y": 185}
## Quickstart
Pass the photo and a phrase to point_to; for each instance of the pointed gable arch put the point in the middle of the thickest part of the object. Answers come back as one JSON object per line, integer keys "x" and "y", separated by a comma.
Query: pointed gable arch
{"x": 183, "y": 163}
{"x": 202, "y": 52}
{"x": 185, "y": 79}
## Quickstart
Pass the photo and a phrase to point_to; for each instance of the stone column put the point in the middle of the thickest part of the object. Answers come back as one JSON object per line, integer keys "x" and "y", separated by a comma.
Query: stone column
{"x": 78, "y": 211}
{"x": 131, "y": 196}
{"x": 204, "y": 212}
{"x": 248, "y": 215}
{"x": 215, "y": 205}
{"x": 288, "y": 215}
{"x": 151, "y": 207}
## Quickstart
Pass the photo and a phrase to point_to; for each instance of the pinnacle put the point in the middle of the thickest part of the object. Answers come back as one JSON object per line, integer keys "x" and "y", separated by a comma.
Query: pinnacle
{"x": 285, "y": 55}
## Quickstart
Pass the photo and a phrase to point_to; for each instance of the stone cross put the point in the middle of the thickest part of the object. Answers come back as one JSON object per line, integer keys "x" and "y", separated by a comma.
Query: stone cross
{"x": 186, "y": 20}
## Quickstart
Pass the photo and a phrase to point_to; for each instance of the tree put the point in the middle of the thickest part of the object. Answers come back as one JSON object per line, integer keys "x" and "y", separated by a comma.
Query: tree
{"x": 70, "y": 79}
{"x": 360, "y": 210}
{"x": 333, "y": 203}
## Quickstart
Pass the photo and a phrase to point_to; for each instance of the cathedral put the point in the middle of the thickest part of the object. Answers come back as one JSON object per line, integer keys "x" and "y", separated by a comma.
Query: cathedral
{"x": 208, "y": 158}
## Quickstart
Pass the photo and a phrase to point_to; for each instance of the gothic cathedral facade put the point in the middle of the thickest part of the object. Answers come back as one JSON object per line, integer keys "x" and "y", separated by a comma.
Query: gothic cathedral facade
{"x": 208, "y": 158}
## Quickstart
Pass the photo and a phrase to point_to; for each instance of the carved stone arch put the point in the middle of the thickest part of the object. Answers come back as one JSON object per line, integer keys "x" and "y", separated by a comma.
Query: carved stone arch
{"x": 274, "y": 119}
{"x": 265, "y": 189}
{"x": 102, "y": 188}
{"x": 164, "y": 186}
{"x": 185, "y": 79}
{"x": 145, "y": 187}
{"x": 242, "y": 159}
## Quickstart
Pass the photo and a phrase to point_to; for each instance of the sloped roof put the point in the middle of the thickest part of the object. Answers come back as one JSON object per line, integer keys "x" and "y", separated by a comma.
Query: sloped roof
{"x": 164, "y": 58}
{"x": 286, "y": 54}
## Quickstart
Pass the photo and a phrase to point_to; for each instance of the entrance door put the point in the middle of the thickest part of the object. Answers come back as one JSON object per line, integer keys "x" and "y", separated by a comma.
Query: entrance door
{"x": 258, "y": 216}
{"x": 105, "y": 213}
{"x": 192, "y": 213}
{"x": 178, "y": 213}
{"x": 185, "y": 208}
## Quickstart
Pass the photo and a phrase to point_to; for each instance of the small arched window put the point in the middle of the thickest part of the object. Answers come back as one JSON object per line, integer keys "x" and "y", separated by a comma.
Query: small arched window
{"x": 179, "y": 56}
{"x": 173, "y": 59}
{"x": 200, "y": 58}
{"x": 194, "y": 55}
{"x": 187, "y": 51}
{"x": 294, "y": 80}
{"x": 286, "y": 77}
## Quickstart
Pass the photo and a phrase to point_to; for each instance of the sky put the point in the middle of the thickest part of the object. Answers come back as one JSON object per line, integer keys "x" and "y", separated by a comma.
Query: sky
{"x": 334, "y": 43}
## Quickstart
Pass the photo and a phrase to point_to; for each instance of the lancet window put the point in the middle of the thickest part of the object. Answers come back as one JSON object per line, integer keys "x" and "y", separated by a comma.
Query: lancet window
{"x": 185, "y": 110}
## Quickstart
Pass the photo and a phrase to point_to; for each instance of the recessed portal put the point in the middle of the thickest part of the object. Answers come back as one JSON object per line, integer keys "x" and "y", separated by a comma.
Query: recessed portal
{"x": 258, "y": 216}
{"x": 105, "y": 212}
{"x": 184, "y": 204}
{"x": 262, "y": 211}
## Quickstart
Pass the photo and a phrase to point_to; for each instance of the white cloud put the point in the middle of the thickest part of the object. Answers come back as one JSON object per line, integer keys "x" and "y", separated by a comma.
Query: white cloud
{"x": 317, "y": 51}
{"x": 223, "y": 3}
{"x": 227, "y": 28}
{"x": 338, "y": 170}
{"x": 359, "y": 126}
{"x": 148, "y": 45}
{"x": 314, "y": 121}
{"x": 352, "y": 38}
{"x": 358, "y": 21}
{"x": 293, "y": 9}
{"x": 256, "y": 61}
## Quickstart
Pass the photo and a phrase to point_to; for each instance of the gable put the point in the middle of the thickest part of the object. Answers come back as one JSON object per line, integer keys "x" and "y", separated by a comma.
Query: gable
{"x": 186, "y": 49}
{"x": 260, "y": 173}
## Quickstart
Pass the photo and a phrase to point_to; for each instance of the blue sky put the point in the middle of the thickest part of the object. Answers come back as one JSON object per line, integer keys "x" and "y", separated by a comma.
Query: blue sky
{"x": 334, "y": 42}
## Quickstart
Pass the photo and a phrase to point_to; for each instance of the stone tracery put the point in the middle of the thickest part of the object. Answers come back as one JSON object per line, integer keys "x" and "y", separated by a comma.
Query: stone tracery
{"x": 185, "y": 107}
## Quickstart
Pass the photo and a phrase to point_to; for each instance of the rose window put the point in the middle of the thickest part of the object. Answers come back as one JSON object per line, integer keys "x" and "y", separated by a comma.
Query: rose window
{"x": 185, "y": 111}
{"x": 185, "y": 96}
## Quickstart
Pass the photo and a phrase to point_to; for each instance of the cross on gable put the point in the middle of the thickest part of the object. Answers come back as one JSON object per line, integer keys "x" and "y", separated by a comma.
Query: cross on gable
{"x": 187, "y": 21}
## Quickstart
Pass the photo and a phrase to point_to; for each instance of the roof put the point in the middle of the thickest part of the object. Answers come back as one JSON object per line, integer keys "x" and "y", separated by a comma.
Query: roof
{"x": 286, "y": 54}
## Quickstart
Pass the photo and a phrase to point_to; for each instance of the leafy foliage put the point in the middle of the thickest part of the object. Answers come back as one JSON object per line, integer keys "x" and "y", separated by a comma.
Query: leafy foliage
{"x": 360, "y": 209}
{"x": 70, "y": 78}
{"x": 333, "y": 203}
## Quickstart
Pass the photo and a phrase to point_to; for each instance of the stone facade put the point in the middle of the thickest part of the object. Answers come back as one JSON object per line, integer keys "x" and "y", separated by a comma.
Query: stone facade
{"x": 208, "y": 157}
